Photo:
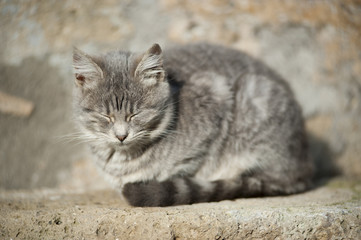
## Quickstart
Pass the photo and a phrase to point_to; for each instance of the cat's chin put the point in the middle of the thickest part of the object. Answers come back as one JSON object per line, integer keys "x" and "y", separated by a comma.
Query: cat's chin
{"x": 122, "y": 146}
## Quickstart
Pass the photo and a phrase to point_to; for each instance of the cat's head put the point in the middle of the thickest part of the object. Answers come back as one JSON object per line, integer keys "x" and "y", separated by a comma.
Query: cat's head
{"x": 122, "y": 98}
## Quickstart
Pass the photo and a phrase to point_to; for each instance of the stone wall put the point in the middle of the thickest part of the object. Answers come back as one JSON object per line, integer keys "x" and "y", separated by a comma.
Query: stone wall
{"x": 315, "y": 45}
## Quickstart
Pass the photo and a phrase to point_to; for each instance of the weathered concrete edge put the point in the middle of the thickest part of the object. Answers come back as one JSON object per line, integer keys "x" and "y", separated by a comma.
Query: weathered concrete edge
{"x": 218, "y": 222}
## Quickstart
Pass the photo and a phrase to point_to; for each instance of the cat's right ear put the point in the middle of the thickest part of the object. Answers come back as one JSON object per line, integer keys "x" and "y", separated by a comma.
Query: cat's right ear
{"x": 86, "y": 71}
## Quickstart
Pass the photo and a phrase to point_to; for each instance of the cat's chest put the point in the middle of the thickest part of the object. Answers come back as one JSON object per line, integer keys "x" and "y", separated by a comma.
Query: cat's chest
{"x": 118, "y": 162}
{"x": 106, "y": 156}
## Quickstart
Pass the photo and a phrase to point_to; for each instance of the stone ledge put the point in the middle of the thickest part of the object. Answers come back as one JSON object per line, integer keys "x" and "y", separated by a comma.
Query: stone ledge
{"x": 329, "y": 212}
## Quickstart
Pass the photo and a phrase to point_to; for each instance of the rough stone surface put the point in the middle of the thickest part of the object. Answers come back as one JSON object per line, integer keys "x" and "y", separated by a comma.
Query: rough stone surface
{"x": 315, "y": 45}
{"x": 330, "y": 212}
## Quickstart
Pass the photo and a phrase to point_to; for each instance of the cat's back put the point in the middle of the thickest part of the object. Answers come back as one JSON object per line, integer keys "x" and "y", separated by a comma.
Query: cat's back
{"x": 181, "y": 62}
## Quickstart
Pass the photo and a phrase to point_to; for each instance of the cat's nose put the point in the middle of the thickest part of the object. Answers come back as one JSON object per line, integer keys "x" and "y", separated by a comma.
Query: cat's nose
{"x": 122, "y": 137}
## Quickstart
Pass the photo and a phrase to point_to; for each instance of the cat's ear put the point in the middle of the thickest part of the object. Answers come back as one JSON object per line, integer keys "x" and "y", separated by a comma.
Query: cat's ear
{"x": 86, "y": 71}
{"x": 150, "y": 68}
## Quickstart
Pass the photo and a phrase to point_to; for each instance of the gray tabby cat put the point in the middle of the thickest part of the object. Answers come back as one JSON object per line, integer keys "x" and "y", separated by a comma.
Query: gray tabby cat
{"x": 196, "y": 123}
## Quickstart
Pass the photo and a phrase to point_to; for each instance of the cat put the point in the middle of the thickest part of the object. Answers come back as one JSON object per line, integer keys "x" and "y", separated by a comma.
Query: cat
{"x": 194, "y": 123}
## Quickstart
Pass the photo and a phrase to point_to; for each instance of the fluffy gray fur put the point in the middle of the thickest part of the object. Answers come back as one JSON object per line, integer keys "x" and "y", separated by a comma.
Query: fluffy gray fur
{"x": 196, "y": 123}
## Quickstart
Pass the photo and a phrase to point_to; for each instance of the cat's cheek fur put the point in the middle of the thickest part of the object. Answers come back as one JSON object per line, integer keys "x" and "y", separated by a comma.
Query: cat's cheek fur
{"x": 164, "y": 123}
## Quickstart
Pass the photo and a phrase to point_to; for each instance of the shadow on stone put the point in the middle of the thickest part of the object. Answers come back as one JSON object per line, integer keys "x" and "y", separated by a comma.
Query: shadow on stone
{"x": 324, "y": 160}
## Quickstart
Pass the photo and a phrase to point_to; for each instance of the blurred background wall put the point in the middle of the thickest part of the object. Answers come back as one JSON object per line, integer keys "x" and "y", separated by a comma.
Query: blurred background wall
{"x": 315, "y": 45}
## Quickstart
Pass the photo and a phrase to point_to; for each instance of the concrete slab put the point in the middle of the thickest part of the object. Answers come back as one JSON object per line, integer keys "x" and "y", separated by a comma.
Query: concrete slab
{"x": 332, "y": 211}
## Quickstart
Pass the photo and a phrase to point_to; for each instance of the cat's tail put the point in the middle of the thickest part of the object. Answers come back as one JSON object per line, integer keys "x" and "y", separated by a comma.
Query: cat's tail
{"x": 179, "y": 191}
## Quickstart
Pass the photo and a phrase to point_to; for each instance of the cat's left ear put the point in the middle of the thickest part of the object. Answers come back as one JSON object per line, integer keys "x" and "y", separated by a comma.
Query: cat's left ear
{"x": 150, "y": 68}
{"x": 87, "y": 72}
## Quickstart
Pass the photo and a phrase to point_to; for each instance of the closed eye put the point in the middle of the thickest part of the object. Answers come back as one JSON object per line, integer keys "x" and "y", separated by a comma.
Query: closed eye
{"x": 144, "y": 116}
{"x": 131, "y": 116}
{"x": 110, "y": 118}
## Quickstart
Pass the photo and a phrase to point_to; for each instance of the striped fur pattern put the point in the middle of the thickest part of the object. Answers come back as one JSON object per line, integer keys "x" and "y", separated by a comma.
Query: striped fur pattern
{"x": 195, "y": 123}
